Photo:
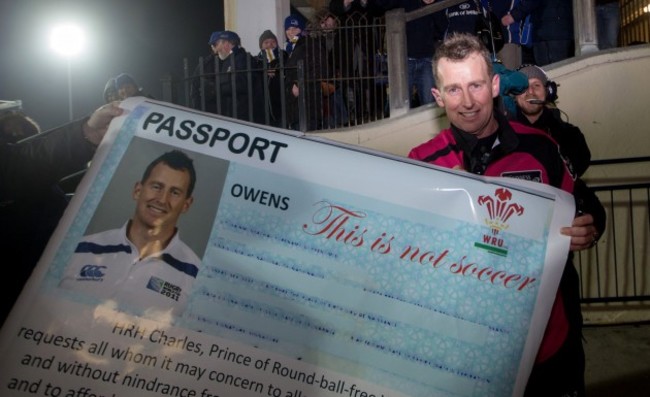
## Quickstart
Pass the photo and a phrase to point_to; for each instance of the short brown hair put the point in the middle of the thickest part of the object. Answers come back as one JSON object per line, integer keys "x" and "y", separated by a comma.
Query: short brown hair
{"x": 459, "y": 46}
{"x": 175, "y": 160}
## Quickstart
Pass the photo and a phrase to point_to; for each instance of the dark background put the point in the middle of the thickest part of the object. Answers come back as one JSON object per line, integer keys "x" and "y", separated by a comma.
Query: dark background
{"x": 145, "y": 38}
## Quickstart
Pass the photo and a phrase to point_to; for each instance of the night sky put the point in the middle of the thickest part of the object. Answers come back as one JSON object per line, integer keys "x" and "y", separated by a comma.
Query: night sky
{"x": 145, "y": 38}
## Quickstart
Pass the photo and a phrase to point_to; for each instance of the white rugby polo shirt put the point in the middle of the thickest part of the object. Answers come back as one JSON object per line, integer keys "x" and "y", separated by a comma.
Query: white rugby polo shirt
{"x": 106, "y": 265}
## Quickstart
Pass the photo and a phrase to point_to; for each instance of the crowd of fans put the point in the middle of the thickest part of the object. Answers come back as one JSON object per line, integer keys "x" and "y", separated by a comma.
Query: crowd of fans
{"x": 330, "y": 71}
{"x": 321, "y": 73}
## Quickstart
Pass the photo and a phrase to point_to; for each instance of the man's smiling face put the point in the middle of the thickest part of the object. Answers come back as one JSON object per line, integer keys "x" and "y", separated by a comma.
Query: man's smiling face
{"x": 162, "y": 197}
{"x": 467, "y": 92}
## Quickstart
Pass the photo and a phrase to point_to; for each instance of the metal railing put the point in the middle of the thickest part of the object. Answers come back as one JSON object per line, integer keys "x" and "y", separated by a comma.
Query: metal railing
{"x": 349, "y": 59}
{"x": 635, "y": 22}
{"x": 617, "y": 269}
{"x": 378, "y": 87}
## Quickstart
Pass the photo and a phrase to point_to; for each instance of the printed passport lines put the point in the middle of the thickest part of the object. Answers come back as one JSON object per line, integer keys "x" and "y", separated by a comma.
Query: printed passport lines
{"x": 237, "y": 230}
{"x": 284, "y": 293}
{"x": 476, "y": 329}
{"x": 349, "y": 342}
{"x": 435, "y": 310}
{"x": 232, "y": 327}
{"x": 290, "y": 264}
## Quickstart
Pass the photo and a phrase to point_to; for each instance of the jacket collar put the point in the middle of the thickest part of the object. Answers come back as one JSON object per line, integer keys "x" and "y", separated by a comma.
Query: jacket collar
{"x": 506, "y": 141}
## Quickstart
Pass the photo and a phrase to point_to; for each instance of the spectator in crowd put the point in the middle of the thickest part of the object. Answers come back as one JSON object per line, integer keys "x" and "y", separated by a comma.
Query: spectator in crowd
{"x": 516, "y": 35}
{"x": 203, "y": 93}
{"x": 294, "y": 27}
{"x": 475, "y": 17}
{"x": 231, "y": 99}
{"x": 309, "y": 51}
{"x": 362, "y": 39}
{"x": 552, "y": 22}
{"x": 15, "y": 126}
{"x": 30, "y": 199}
{"x": 273, "y": 58}
{"x": 339, "y": 42}
{"x": 463, "y": 17}
{"x": 144, "y": 264}
{"x": 127, "y": 87}
{"x": 482, "y": 141}
{"x": 268, "y": 41}
{"x": 335, "y": 111}
{"x": 110, "y": 91}
{"x": 241, "y": 99}
{"x": 423, "y": 35}
{"x": 608, "y": 23}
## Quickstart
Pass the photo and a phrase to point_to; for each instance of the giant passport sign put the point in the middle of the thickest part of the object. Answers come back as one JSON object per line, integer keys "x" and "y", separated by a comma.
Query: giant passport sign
{"x": 323, "y": 270}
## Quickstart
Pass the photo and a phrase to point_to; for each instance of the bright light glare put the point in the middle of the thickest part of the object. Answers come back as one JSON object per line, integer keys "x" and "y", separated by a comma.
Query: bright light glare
{"x": 67, "y": 40}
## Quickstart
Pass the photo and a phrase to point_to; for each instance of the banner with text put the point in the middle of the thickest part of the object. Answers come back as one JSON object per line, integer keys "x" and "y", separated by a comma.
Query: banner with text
{"x": 302, "y": 268}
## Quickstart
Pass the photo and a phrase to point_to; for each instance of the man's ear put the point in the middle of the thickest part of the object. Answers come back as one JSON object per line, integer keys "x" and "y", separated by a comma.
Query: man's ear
{"x": 187, "y": 204}
{"x": 438, "y": 97}
{"x": 496, "y": 84}
{"x": 137, "y": 188}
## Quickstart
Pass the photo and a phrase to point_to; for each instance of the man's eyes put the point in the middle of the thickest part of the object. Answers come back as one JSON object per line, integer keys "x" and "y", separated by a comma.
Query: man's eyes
{"x": 471, "y": 87}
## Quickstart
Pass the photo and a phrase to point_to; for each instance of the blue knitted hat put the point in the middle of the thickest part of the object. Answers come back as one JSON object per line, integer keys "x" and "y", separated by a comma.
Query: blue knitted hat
{"x": 294, "y": 21}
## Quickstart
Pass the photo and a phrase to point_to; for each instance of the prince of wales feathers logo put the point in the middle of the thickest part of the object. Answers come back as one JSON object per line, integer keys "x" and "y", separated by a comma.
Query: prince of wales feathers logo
{"x": 499, "y": 210}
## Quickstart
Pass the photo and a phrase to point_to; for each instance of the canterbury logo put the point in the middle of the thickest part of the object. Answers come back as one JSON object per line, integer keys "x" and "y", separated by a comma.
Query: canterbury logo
{"x": 93, "y": 272}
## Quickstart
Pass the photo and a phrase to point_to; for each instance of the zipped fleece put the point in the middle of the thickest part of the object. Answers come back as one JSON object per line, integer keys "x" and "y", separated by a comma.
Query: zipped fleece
{"x": 518, "y": 152}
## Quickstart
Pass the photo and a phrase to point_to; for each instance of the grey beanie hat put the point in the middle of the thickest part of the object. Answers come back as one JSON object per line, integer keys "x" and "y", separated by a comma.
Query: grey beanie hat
{"x": 533, "y": 72}
{"x": 267, "y": 34}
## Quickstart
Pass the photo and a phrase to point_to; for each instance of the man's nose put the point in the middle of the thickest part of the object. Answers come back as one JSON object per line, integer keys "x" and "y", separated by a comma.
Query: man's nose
{"x": 467, "y": 100}
{"x": 163, "y": 195}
